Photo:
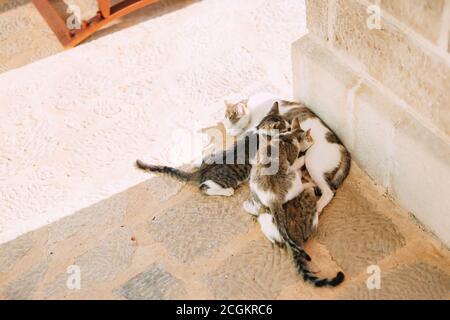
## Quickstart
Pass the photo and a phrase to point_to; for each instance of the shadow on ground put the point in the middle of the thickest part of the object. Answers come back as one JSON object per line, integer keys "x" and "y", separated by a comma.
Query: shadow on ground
{"x": 164, "y": 240}
{"x": 25, "y": 37}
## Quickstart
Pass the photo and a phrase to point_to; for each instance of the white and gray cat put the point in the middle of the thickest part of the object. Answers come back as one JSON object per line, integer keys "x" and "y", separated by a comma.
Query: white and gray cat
{"x": 244, "y": 115}
{"x": 219, "y": 174}
{"x": 328, "y": 161}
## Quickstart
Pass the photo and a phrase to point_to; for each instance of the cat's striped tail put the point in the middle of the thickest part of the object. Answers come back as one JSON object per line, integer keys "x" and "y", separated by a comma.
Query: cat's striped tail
{"x": 343, "y": 169}
{"x": 280, "y": 219}
{"x": 309, "y": 276}
{"x": 173, "y": 172}
{"x": 299, "y": 254}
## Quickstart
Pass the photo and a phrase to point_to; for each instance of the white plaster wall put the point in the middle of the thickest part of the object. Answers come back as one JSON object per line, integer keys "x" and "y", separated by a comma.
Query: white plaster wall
{"x": 72, "y": 125}
{"x": 395, "y": 148}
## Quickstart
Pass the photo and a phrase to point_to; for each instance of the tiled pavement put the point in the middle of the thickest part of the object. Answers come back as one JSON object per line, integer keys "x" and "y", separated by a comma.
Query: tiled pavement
{"x": 163, "y": 240}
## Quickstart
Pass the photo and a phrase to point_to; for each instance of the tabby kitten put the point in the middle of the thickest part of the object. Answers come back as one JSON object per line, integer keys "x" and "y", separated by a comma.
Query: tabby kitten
{"x": 301, "y": 223}
{"x": 274, "y": 189}
{"x": 219, "y": 174}
{"x": 327, "y": 161}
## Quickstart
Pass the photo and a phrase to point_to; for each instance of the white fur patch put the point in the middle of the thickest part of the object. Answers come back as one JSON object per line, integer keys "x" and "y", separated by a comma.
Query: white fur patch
{"x": 269, "y": 228}
{"x": 316, "y": 220}
{"x": 235, "y": 129}
{"x": 322, "y": 157}
{"x": 250, "y": 207}
{"x": 266, "y": 197}
{"x": 216, "y": 190}
{"x": 259, "y": 105}
{"x": 296, "y": 187}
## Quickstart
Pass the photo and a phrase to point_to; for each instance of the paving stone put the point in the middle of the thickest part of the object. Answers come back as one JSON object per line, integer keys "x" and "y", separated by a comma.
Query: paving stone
{"x": 163, "y": 188}
{"x": 153, "y": 284}
{"x": 102, "y": 263}
{"x": 413, "y": 281}
{"x": 198, "y": 226}
{"x": 12, "y": 251}
{"x": 24, "y": 287}
{"x": 355, "y": 233}
{"x": 89, "y": 220}
{"x": 260, "y": 271}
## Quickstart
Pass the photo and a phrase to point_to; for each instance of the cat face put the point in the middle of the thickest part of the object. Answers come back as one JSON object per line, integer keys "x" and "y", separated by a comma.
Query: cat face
{"x": 237, "y": 117}
{"x": 273, "y": 121}
{"x": 304, "y": 138}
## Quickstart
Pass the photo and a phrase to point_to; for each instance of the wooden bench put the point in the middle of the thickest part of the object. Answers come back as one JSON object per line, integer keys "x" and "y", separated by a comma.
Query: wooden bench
{"x": 71, "y": 37}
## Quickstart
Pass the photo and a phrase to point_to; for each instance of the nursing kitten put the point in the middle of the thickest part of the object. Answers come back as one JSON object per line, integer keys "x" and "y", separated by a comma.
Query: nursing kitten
{"x": 246, "y": 114}
{"x": 219, "y": 174}
{"x": 301, "y": 223}
{"x": 327, "y": 161}
{"x": 272, "y": 188}
{"x": 284, "y": 182}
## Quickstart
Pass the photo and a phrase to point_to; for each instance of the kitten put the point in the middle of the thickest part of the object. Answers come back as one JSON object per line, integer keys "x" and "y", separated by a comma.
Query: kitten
{"x": 219, "y": 174}
{"x": 284, "y": 183}
{"x": 274, "y": 188}
{"x": 273, "y": 121}
{"x": 246, "y": 114}
{"x": 327, "y": 161}
{"x": 301, "y": 223}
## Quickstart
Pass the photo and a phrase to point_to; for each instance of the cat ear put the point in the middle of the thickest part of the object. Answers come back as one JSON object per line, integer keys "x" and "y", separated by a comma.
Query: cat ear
{"x": 242, "y": 107}
{"x": 275, "y": 109}
{"x": 308, "y": 133}
{"x": 292, "y": 134}
{"x": 296, "y": 125}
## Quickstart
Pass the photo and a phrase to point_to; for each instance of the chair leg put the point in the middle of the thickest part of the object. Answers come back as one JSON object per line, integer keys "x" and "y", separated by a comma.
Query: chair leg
{"x": 106, "y": 13}
{"x": 53, "y": 20}
{"x": 105, "y": 7}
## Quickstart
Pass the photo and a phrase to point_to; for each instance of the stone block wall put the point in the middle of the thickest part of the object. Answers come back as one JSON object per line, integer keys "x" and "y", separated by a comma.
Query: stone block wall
{"x": 378, "y": 72}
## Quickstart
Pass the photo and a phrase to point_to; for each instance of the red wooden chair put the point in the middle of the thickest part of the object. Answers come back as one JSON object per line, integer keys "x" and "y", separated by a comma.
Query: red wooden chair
{"x": 70, "y": 38}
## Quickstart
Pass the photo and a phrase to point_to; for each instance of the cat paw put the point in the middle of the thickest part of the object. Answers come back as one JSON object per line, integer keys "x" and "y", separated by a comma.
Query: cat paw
{"x": 228, "y": 192}
{"x": 250, "y": 208}
{"x": 316, "y": 220}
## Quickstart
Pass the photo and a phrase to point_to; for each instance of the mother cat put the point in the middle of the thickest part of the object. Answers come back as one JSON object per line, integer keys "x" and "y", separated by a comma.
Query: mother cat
{"x": 327, "y": 161}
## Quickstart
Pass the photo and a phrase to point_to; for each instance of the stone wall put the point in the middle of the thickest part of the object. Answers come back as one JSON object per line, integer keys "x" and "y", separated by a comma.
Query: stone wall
{"x": 382, "y": 82}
